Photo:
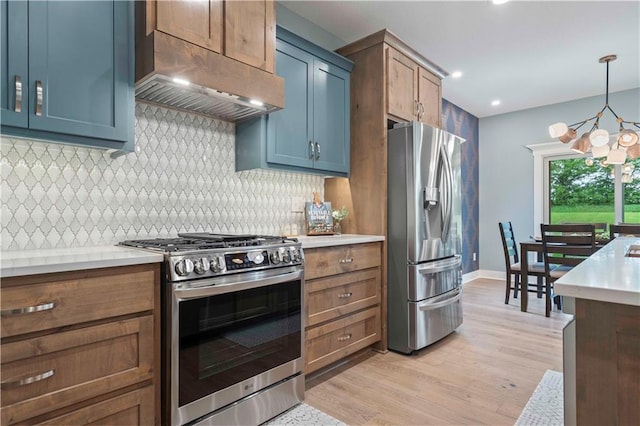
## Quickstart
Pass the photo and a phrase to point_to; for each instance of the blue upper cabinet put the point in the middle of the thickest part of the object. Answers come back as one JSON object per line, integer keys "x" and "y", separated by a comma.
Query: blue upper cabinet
{"x": 311, "y": 133}
{"x": 75, "y": 62}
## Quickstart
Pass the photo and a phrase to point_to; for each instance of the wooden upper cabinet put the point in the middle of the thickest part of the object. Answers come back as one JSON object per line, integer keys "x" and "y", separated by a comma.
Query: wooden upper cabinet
{"x": 198, "y": 22}
{"x": 250, "y": 32}
{"x": 429, "y": 97}
{"x": 240, "y": 30}
{"x": 402, "y": 87}
{"x": 413, "y": 92}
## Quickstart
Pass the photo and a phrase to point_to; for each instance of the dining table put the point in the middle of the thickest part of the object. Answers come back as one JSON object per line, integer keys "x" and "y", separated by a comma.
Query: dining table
{"x": 534, "y": 245}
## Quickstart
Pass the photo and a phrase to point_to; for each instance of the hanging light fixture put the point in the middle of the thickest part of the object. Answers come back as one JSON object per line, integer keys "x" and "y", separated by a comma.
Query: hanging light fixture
{"x": 624, "y": 146}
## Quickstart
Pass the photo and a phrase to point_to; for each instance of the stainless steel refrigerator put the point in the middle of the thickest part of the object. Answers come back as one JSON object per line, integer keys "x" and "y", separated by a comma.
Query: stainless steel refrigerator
{"x": 424, "y": 236}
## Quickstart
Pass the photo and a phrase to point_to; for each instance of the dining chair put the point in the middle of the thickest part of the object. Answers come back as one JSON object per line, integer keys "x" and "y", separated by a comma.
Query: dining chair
{"x": 563, "y": 247}
{"x": 513, "y": 266}
{"x": 600, "y": 227}
{"x": 624, "y": 229}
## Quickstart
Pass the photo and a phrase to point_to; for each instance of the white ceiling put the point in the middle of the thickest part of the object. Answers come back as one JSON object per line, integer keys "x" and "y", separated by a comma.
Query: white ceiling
{"x": 524, "y": 53}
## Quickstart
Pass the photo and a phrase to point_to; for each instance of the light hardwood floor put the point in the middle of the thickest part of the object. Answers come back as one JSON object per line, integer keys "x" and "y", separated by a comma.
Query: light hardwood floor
{"x": 484, "y": 373}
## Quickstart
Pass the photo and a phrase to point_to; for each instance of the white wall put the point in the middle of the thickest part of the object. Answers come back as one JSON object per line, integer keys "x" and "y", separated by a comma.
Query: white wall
{"x": 506, "y": 165}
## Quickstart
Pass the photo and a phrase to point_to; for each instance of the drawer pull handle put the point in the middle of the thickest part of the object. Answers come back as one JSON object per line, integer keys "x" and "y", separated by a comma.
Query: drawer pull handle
{"x": 27, "y": 380}
{"x": 347, "y": 260}
{"x": 18, "y": 101}
{"x": 345, "y": 337}
{"x": 39, "y": 97}
{"x": 345, "y": 295}
{"x": 28, "y": 309}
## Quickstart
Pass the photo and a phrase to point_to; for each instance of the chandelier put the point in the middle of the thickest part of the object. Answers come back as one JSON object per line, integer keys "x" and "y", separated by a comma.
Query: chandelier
{"x": 625, "y": 145}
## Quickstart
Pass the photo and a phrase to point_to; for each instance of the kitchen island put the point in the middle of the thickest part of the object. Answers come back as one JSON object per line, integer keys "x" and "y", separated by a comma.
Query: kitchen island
{"x": 601, "y": 345}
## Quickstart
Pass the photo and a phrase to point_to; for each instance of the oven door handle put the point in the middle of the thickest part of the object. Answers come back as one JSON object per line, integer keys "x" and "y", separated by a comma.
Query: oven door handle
{"x": 212, "y": 289}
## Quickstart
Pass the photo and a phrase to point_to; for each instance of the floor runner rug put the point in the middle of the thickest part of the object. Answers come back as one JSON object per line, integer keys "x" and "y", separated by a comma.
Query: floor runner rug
{"x": 545, "y": 407}
{"x": 304, "y": 415}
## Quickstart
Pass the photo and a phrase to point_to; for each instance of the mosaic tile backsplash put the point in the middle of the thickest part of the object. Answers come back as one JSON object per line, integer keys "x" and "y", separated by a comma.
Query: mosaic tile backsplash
{"x": 181, "y": 179}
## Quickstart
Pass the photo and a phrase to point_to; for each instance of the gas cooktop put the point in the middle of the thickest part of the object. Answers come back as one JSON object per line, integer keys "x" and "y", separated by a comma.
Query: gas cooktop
{"x": 205, "y": 241}
{"x": 193, "y": 256}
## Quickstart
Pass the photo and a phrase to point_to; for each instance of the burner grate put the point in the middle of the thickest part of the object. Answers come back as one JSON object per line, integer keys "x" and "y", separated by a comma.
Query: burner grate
{"x": 173, "y": 244}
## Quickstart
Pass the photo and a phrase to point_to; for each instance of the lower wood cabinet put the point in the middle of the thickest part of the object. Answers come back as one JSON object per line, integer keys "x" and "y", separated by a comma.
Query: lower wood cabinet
{"x": 342, "y": 302}
{"x": 72, "y": 340}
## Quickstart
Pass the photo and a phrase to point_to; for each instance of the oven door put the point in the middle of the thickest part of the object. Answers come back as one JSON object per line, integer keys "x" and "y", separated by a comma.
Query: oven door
{"x": 232, "y": 337}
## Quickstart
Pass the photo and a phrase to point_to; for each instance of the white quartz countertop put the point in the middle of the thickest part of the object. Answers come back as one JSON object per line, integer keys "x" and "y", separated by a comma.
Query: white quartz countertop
{"x": 336, "y": 240}
{"x": 30, "y": 262}
{"x": 607, "y": 275}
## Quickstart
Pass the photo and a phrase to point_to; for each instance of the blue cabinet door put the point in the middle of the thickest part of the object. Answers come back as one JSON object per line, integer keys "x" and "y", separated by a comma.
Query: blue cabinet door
{"x": 80, "y": 68}
{"x": 14, "y": 77}
{"x": 289, "y": 131}
{"x": 331, "y": 117}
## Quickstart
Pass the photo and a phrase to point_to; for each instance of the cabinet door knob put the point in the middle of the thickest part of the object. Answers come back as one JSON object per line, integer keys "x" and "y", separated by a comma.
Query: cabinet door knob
{"x": 39, "y": 97}
{"x": 417, "y": 107}
{"x": 420, "y": 111}
{"x": 317, "y": 151}
{"x": 311, "y": 150}
{"x": 18, "y": 102}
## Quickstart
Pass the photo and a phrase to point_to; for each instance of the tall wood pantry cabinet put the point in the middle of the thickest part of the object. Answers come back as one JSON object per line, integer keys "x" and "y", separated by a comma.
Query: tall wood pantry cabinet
{"x": 311, "y": 133}
{"x": 390, "y": 83}
{"x": 67, "y": 72}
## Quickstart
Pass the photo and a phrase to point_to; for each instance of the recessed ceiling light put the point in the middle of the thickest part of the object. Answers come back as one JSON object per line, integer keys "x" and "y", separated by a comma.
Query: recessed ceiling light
{"x": 495, "y": 102}
{"x": 499, "y": 1}
{"x": 456, "y": 74}
{"x": 256, "y": 102}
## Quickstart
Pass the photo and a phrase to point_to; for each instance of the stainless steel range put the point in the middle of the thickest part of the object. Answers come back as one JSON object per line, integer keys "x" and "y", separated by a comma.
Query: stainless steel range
{"x": 231, "y": 327}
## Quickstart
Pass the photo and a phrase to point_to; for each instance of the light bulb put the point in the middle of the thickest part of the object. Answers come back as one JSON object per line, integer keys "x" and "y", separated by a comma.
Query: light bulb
{"x": 599, "y": 137}
{"x": 558, "y": 129}
{"x": 600, "y": 151}
{"x": 617, "y": 156}
{"x": 627, "y": 137}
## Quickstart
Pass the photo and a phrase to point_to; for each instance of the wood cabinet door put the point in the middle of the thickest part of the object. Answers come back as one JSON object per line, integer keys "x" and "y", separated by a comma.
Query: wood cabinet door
{"x": 14, "y": 77}
{"x": 402, "y": 85}
{"x": 250, "y": 32}
{"x": 198, "y": 22}
{"x": 429, "y": 95}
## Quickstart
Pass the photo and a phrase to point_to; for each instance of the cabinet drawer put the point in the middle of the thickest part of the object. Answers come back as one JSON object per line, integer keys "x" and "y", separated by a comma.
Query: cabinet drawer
{"x": 43, "y": 303}
{"x": 331, "y": 297}
{"x": 60, "y": 369}
{"x": 335, "y": 340}
{"x": 322, "y": 262}
{"x": 133, "y": 408}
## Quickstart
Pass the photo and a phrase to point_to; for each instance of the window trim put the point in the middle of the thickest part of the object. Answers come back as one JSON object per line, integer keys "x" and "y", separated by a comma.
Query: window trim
{"x": 548, "y": 151}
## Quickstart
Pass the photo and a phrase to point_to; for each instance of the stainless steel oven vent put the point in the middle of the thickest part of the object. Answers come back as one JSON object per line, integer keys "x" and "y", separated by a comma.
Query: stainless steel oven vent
{"x": 164, "y": 91}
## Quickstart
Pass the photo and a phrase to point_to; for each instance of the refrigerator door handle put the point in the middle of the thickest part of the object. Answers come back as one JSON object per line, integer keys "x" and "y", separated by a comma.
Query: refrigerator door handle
{"x": 449, "y": 300}
{"x": 446, "y": 194}
{"x": 441, "y": 266}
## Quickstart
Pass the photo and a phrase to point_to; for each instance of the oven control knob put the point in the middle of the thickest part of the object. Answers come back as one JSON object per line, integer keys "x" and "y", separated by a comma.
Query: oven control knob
{"x": 286, "y": 257}
{"x": 184, "y": 267}
{"x": 201, "y": 265}
{"x": 215, "y": 265}
{"x": 275, "y": 257}
{"x": 296, "y": 255}
{"x": 256, "y": 257}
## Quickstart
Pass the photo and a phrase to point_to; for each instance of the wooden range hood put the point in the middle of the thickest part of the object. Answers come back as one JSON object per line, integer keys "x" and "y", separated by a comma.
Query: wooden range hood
{"x": 185, "y": 40}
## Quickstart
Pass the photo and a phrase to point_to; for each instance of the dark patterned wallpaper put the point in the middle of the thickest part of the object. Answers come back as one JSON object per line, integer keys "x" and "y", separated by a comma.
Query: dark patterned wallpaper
{"x": 459, "y": 122}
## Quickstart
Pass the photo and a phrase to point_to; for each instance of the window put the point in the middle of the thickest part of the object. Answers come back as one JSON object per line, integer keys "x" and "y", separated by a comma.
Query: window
{"x": 584, "y": 190}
